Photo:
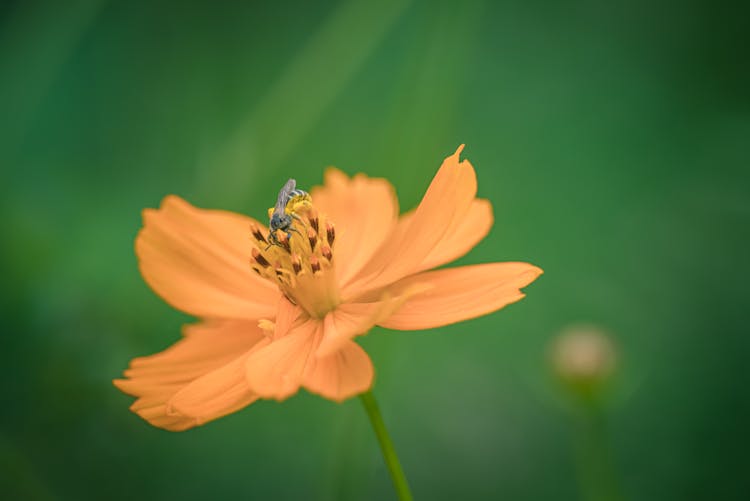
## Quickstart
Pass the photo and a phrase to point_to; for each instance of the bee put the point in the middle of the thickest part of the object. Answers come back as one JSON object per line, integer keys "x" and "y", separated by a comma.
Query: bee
{"x": 290, "y": 199}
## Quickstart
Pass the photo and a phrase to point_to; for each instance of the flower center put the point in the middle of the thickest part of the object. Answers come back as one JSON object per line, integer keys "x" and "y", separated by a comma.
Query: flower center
{"x": 299, "y": 259}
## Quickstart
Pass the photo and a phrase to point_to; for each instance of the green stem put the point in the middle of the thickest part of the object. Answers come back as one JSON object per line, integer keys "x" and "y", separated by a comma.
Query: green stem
{"x": 595, "y": 463}
{"x": 386, "y": 446}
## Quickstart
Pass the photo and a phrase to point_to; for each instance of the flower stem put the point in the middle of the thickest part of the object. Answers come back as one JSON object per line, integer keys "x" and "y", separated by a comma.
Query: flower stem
{"x": 596, "y": 471}
{"x": 386, "y": 446}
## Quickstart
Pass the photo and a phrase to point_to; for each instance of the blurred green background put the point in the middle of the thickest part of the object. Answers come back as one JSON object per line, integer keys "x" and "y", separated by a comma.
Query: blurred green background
{"x": 612, "y": 138}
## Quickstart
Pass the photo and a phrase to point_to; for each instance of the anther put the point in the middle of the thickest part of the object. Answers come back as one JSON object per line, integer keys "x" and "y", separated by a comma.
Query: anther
{"x": 296, "y": 264}
{"x": 330, "y": 233}
{"x": 260, "y": 259}
{"x": 313, "y": 218}
{"x": 326, "y": 251}
{"x": 312, "y": 237}
{"x": 314, "y": 264}
{"x": 283, "y": 240}
{"x": 258, "y": 234}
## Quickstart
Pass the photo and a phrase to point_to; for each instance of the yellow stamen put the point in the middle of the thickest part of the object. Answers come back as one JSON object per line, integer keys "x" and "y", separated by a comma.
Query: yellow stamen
{"x": 314, "y": 264}
{"x": 301, "y": 263}
{"x": 259, "y": 257}
{"x": 312, "y": 237}
{"x": 296, "y": 264}
{"x": 258, "y": 234}
{"x": 327, "y": 253}
{"x": 267, "y": 327}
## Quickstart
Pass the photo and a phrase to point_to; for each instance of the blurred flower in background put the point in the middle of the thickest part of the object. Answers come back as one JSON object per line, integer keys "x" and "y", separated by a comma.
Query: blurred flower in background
{"x": 584, "y": 359}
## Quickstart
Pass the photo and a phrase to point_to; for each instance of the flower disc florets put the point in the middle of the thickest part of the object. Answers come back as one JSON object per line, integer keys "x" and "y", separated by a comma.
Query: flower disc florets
{"x": 300, "y": 261}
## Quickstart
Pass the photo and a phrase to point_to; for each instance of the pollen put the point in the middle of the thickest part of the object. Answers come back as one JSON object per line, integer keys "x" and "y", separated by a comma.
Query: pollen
{"x": 300, "y": 263}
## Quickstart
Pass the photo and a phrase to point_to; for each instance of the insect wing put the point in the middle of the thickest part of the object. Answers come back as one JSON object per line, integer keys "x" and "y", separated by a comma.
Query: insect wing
{"x": 284, "y": 195}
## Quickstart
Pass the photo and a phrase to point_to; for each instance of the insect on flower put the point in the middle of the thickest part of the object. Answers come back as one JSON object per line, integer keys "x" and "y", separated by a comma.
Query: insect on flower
{"x": 277, "y": 318}
{"x": 289, "y": 202}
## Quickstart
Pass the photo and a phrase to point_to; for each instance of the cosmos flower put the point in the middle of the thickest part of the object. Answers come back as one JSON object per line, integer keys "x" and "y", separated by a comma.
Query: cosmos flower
{"x": 277, "y": 318}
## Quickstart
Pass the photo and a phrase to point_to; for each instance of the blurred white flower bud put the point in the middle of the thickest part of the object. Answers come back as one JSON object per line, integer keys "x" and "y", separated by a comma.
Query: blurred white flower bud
{"x": 584, "y": 357}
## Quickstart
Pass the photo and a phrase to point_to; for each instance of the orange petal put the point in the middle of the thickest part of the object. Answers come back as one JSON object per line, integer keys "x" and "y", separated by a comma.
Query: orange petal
{"x": 463, "y": 233}
{"x": 342, "y": 374}
{"x": 206, "y": 349}
{"x": 364, "y": 211}
{"x": 353, "y": 319}
{"x": 218, "y": 393}
{"x": 460, "y": 294}
{"x": 198, "y": 261}
{"x": 446, "y": 203}
{"x": 278, "y": 369}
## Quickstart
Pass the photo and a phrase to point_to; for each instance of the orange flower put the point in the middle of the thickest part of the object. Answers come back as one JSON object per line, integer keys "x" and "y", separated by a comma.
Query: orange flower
{"x": 283, "y": 317}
